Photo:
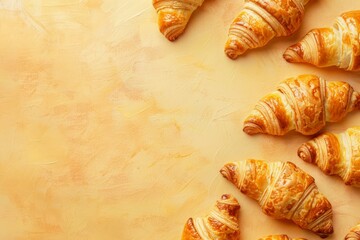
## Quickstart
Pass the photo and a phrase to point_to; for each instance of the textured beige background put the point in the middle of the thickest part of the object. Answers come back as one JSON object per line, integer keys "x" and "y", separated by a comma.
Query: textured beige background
{"x": 109, "y": 131}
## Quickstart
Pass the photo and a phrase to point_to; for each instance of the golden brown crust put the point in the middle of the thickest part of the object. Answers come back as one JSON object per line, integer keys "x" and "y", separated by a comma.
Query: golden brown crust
{"x": 338, "y": 45}
{"x": 173, "y": 15}
{"x": 262, "y": 20}
{"x": 330, "y": 150}
{"x": 339, "y": 100}
{"x": 280, "y": 237}
{"x": 283, "y": 191}
{"x": 304, "y": 104}
{"x": 335, "y": 154}
{"x": 354, "y": 233}
{"x": 221, "y": 223}
{"x": 189, "y": 232}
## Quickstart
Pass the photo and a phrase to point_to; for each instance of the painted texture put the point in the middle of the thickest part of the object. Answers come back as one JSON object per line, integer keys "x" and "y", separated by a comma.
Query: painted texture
{"x": 108, "y": 131}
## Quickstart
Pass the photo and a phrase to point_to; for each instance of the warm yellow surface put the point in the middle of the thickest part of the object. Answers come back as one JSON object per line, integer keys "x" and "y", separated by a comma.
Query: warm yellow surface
{"x": 109, "y": 131}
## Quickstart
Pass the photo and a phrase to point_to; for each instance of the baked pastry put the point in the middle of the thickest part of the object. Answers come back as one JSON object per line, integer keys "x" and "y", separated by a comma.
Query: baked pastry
{"x": 283, "y": 191}
{"x": 173, "y": 15}
{"x": 338, "y": 45}
{"x": 304, "y": 104}
{"x": 335, "y": 154}
{"x": 260, "y": 21}
{"x": 221, "y": 224}
{"x": 280, "y": 237}
{"x": 354, "y": 233}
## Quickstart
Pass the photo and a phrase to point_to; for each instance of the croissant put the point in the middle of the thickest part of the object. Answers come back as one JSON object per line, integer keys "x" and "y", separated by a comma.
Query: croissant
{"x": 335, "y": 154}
{"x": 280, "y": 237}
{"x": 304, "y": 104}
{"x": 262, "y": 20}
{"x": 354, "y": 233}
{"x": 334, "y": 46}
{"x": 283, "y": 191}
{"x": 173, "y": 15}
{"x": 221, "y": 224}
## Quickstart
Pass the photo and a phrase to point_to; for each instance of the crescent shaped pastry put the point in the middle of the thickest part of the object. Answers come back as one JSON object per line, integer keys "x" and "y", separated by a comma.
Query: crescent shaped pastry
{"x": 283, "y": 191}
{"x": 260, "y": 21}
{"x": 304, "y": 104}
{"x": 338, "y": 45}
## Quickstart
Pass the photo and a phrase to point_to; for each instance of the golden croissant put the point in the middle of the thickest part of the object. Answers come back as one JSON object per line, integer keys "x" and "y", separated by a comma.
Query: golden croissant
{"x": 173, "y": 15}
{"x": 354, "y": 233}
{"x": 260, "y": 21}
{"x": 283, "y": 191}
{"x": 280, "y": 237}
{"x": 338, "y": 45}
{"x": 335, "y": 154}
{"x": 221, "y": 224}
{"x": 304, "y": 104}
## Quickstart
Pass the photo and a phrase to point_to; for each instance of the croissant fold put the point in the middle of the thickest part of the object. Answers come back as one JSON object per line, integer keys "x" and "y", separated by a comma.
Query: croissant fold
{"x": 280, "y": 237}
{"x": 354, "y": 233}
{"x": 304, "y": 104}
{"x": 260, "y": 21}
{"x": 173, "y": 15}
{"x": 335, "y": 154}
{"x": 222, "y": 223}
{"x": 338, "y": 45}
{"x": 283, "y": 191}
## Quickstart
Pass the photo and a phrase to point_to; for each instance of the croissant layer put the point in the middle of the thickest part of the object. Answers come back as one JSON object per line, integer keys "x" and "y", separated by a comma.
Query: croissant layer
{"x": 260, "y": 21}
{"x": 338, "y": 45}
{"x": 335, "y": 154}
{"x": 222, "y": 223}
{"x": 304, "y": 104}
{"x": 283, "y": 191}
{"x": 174, "y": 15}
{"x": 280, "y": 237}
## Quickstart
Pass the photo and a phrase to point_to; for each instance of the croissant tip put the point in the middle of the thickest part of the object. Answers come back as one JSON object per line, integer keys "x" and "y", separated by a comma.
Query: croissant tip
{"x": 226, "y": 171}
{"x": 325, "y": 228}
{"x": 173, "y": 33}
{"x": 305, "y": 154}
{"x": 231, "y": 54}
{"x": 233, "y": 49}
{"x": 325, "y": 235}
{"x": 171, "y": 26}
{"x": 292, "y": 54}
{"x": 252, "y": 128}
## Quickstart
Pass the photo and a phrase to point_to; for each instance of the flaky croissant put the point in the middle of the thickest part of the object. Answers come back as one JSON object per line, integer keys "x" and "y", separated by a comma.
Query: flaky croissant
{"x": 221, "y": 224}
{"x": 354, "y": 233}
{"x": 334, "y": 46}
{"x": 280, "y": 237}
{"x": 304, "y": 104}
{"x": 335, "y": 154}
{"x": 173, "y": 15}
{"x": 283, "y": 191}
{"x": 262, "y": 20}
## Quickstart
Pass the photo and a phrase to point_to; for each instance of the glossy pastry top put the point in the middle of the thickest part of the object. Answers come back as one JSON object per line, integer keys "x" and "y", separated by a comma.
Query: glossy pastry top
{"x": 304, "y": 104}
{"x": 262, "y": 20}
{"x": 338, "y": 45}
{"x": 283, "y": 191}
